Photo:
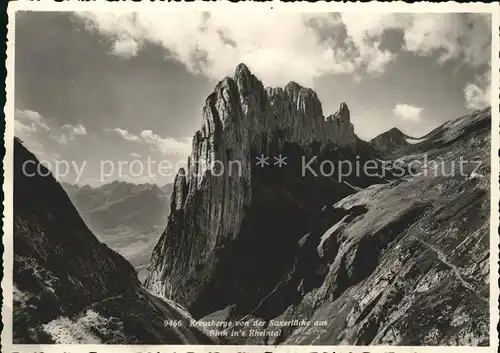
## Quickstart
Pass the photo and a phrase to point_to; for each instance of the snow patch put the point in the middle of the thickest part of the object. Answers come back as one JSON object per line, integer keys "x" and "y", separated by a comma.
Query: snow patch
{"x": 303, "y": 240}
{"x": 20, "y": 298}
{"x": 355, "y": 188}
{"x": 460, "y": 317}
{"x": 414, "y": 141}
{"x": 429, "y": 280}
{"x": 455, "y": 128}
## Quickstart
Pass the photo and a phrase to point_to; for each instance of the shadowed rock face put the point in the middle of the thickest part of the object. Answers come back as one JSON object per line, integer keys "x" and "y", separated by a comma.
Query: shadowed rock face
{"x": 68, "y": 286}
{"x": 401, "y": 263}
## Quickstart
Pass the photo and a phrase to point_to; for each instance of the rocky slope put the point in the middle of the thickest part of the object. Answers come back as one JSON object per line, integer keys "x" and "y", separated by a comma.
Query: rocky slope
{"x": 225, "y": 207}
{"x": 390, "y": 141}
{"x": 68, "y": 286}
{"x": 127, "y": 217}
{"x": 395, "y": 256}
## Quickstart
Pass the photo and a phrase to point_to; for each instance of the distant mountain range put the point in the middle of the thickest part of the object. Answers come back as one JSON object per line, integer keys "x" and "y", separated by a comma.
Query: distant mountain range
{"x": 368, "y": 259}
{"x": 140, "y": 206}
{"x": 394, "y": 142}
{"x": 128, "y": 217}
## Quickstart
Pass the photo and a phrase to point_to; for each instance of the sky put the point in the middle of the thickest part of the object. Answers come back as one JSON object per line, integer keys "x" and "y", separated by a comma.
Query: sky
{"x": 98, "y": 89}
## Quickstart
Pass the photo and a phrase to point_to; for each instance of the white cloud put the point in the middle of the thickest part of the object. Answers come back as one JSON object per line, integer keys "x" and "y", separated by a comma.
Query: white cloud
{"x": 478, "y": 94}
{"x": 364, "y": 32}
{"x": 277, "y": 47}
{"x": 280, "y": 47}
{"x": 167, "y": 145}
{"x": 75, "y": 130}
{"x": 30, "y": 119}
{"x": 463, "y": 37}
{"x": 376, "y": 59}
{"x": 126, "y": 47}
{"x": 41, "y": 136}
{"x": 28, "y": 123}
{"x": 21, "y": 129}
{"x": 29, "y": 115}
{"x": 61, "y": 139}
{"x": 124, "y": 134}
{"x": 33, "y": 130}
{"x": 407, "y": 112}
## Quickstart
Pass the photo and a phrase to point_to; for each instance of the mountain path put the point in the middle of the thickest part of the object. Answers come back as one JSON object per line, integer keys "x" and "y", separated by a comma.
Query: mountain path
{"x": 287, "y": 278}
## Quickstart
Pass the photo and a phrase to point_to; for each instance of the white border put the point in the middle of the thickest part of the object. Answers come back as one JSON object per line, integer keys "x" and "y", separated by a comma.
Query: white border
{"x": 126, "y": 6}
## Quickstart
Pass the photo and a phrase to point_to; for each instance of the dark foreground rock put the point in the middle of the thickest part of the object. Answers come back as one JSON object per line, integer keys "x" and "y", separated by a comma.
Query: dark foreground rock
{"x": 407, "y": 263}
{"x": 68, "y": 286}
{"x": 390, "y": 141}
{"x": 414, "y": 268}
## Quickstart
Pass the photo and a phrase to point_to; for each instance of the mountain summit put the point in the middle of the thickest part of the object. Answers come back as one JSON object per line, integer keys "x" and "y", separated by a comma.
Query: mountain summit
{"x": 390, "y": 141}
{"x": 360, "y": 254}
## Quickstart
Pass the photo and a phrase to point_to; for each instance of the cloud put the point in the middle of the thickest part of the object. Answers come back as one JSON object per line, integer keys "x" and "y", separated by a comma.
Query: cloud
{"x": 377, "y": 59}
{"x": 28, "y": 123}
{"x": 462, "y": 37}
{"x": 124, "y": 134}
{"x": 29, "y": 115}
{"x": 478, "y": 94}
{"x": 21, "y": 129}
{"x": 280, "y": 47}
{"x": 364, "y": 33}
{"x": 451, "y": 37}
{"x": 29, "y": 120}
{"x": 407, "y": 112}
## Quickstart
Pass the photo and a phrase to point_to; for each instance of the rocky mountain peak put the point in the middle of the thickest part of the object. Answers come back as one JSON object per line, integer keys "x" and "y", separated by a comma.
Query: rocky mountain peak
{"x": 246, "y": 115}
{"x": 69, "y": 287}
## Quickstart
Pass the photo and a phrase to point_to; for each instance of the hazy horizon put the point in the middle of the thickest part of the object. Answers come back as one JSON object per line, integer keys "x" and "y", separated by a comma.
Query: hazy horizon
{"x": 102, "y": 86}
